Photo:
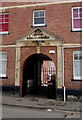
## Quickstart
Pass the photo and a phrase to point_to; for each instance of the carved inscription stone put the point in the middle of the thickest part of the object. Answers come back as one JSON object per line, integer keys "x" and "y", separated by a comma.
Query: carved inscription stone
{"x": 38, "y": 34}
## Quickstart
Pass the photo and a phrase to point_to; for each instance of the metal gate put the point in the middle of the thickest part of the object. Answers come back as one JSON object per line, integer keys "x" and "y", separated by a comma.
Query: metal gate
{"x": 46, "y": 75}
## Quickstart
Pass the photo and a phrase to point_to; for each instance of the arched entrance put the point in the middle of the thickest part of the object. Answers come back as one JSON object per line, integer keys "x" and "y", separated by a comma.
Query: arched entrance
{"x": 36, "y": 68}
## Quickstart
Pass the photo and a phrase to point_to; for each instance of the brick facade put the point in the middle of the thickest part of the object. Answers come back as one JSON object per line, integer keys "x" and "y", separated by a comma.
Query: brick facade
{"x": 58, "y": 22}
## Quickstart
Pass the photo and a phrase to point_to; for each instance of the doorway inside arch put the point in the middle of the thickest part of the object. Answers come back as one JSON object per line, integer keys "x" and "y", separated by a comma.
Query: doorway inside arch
{"x": 37, "y": 69}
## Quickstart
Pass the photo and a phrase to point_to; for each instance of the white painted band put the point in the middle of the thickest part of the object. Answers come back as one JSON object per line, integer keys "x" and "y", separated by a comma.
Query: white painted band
{"x": 40, "y": 4}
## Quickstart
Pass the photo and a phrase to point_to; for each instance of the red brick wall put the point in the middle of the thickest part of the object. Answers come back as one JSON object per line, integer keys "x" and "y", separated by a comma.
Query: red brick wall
{"x": 10, "y": 66}
{"x": 68, "y": 69}
{"x": 58, "y": 21}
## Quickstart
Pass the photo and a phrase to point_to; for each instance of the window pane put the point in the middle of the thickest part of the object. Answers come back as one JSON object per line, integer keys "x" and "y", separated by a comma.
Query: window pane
{"x": 78, "y": 68}
{"x": 2, "y": 67}
{"x": 39, "y": 21}
{"x": 80, "y": 9}
{"x": 80, "y": 57}
{"x": 3, "y": 58}
{"x": 77, "y": 23}
{"x": 75, "y": 10}
{"x": 80, "y": 14}
{"x": 0, "y": 20}
{"x": 4, "y": 27}
{"x": 6, "y": 20}
{"x": 41, "y": 13}
{"x": 75, "y": 57}
{"x": 75, "y": 15}
{"x": 3, "y": 20}
{"x": 3, "y": 55}
{"x": 36, "y": 14}
{"x": 4, "y": 17}
{"x": 0, "y": 16}
{"x": 7, "y": 16}
{"x": 0, "y": 27}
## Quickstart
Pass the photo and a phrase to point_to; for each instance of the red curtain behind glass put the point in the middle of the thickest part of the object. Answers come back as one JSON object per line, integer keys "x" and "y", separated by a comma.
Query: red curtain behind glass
{"x": 4, "y": 22}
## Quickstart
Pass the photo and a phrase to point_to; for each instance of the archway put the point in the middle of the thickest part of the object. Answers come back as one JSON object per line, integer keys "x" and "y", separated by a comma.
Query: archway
{"x": 35, "y": 70}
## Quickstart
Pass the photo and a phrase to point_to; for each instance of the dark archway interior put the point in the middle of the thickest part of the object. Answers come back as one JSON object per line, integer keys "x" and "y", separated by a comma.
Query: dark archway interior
{"x": 32, "y": 73}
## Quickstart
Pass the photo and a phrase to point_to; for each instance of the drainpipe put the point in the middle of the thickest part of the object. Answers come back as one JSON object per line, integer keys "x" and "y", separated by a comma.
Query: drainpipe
{"x": 64, "y": 88}
{"x": 64, "y": 92}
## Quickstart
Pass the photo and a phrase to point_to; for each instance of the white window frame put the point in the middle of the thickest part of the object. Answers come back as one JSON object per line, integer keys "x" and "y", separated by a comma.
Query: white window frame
{"x": 75, "y": 29}
{"x": 38, "y": 17}
{"x": 6, "y": 32}
{"x": 4, "y": 75}
{"x": 74, "y": 76}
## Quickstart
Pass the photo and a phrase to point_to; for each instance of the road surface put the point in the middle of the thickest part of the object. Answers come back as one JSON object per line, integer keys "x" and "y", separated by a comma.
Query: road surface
{"x": 22, "y": 112}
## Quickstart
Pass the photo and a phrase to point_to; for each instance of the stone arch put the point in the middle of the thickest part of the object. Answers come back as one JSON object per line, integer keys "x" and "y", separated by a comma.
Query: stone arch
{"x": 32, "y": 73}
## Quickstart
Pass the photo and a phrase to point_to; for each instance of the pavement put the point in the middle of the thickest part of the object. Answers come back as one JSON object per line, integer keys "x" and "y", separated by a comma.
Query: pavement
{"x": 41, "y": 103}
